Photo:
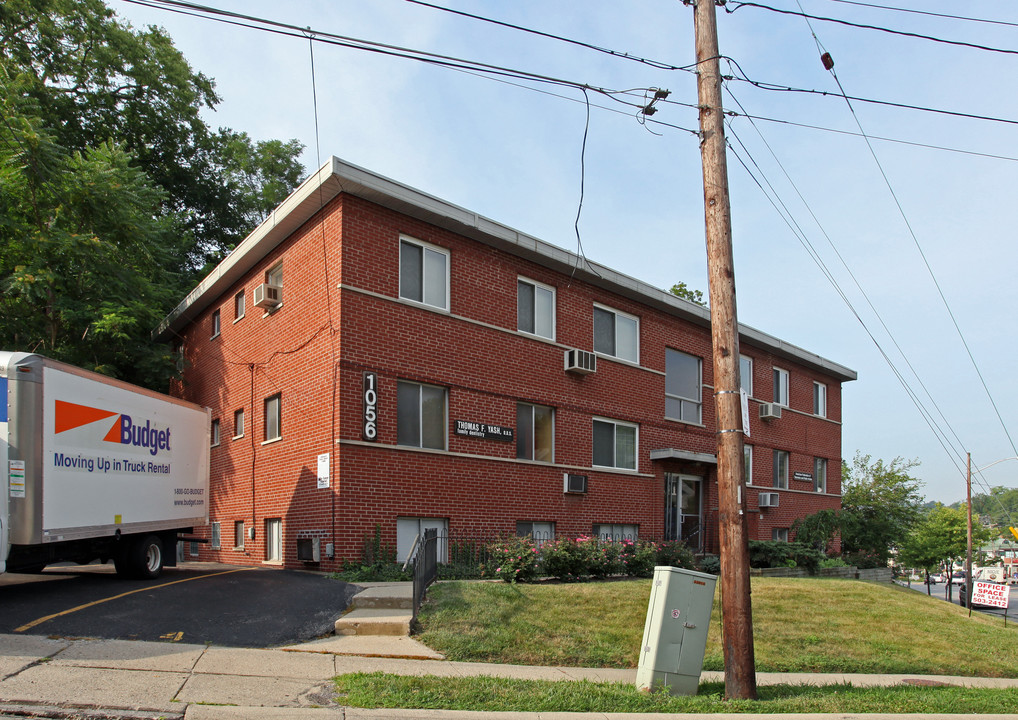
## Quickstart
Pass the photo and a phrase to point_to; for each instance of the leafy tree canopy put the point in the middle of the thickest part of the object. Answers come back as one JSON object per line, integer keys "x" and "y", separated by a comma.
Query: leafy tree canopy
{"x": 686, "y": 293}
{"x": 115, "y": 193}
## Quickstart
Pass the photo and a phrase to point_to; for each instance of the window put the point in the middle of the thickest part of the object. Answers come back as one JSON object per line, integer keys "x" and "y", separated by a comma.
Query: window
{"x": 683, "y": 393}
{"x": 424, "y": 274}
{"x": 410, "y": 534}
{"x": 779, "y": 534}
{"x": 273, "y": 418}
{"x": 216, "y": 325}
{"x": 781, "y": 386}
{"x": 238, "y": 424}
{"x": 214, "y": 432}
{"x": 616, "y": 334}
{"x": 746, "y": 374}
{"x": 193, "y": 548}
{"x": 535, "y": 309}
{"x": 780, "y": 469}
{"x": 420, "y": 415}
{"x": 238, "y": 535}
{"x": 239, "y": 303}
{"x": 820, "y": 399}
{"x": 215, "y": 535}
{"x": 614, "y": 532}
{"x": 274, "y": 276}
{"x": 615, "y": 444}
{"x": 747, "y": 464}
{"x": 535, "y": 432}
{"x": 274, "y": 540}
{"x": 820, "y": 475}
{"x": 541, "y": 532}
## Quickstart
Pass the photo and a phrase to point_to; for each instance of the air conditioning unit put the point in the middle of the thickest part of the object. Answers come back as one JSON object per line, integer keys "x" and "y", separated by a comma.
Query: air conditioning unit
{"x": 580, "y": 362}
{"x": 576, "y": 484}
{"x": 766, "y": 500}
{"x": 268, "y": 296}
{"x": 309, "y": 550}
{"x": 770, "y": 411}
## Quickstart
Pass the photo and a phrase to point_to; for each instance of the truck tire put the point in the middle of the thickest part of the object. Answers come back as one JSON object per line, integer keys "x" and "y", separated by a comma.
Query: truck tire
{"x": 142, "y": 559}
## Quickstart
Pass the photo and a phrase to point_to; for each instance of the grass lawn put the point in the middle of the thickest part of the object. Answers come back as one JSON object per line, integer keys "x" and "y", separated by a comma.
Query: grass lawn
{"x": 377, "y": 690}
{"x": 799, "y": 625}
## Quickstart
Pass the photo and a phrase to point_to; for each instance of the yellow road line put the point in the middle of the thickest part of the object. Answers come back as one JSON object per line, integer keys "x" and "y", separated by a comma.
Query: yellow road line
{"x": 40, "y": 621}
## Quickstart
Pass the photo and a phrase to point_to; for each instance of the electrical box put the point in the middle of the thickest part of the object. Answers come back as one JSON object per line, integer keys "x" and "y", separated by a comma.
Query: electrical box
{"x": 675, "y": 634}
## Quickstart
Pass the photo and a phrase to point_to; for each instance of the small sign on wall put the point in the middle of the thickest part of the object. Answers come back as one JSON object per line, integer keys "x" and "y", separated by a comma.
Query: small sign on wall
{"x": 323, "y": 471}
{"x": 484, "y": 431}
{"x": 369, "y": 427}
{"x": 803, "y": 476}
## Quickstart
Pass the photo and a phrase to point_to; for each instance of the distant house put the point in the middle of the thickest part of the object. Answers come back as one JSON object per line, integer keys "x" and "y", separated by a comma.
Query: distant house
{"x": 379, "y": 358}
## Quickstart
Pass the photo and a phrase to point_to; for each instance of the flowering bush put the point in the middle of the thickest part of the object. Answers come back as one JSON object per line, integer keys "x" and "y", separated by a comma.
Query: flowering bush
{"x": 601, "y": 559}
{"x": 564, "y": 559}
{"x": 637, "y": 558}
{"x": 512, "y": 559}
{"x": 676, "y": 554}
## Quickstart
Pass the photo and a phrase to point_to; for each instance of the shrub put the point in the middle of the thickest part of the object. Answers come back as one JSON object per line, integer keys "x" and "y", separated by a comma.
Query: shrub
{"x": 676, "y": 554}
{"x": 512, "y": 559}
{"x": 600, "y": 559}
{"x": 710, "y": 564}
{"x": 564, "y": 559}
{"x": 638, "y": 558}
{"x": 833, "y": 562}
{"x": 776, "y": 553}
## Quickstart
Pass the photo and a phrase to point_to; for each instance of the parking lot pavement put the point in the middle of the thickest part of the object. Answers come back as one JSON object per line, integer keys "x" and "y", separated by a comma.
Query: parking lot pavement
{"x": 195, "y": 602}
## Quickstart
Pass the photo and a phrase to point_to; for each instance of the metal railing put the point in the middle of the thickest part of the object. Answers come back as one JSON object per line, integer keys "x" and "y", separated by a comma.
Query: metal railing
{"x": 425, "y": 565}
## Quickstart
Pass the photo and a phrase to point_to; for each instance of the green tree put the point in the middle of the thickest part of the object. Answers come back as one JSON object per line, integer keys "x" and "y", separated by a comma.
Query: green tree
{"x": 115, "y": 193}
{"x": 880, "y": 503}
{"x": 686, "y": 293}
{"x": 940, "y": 536}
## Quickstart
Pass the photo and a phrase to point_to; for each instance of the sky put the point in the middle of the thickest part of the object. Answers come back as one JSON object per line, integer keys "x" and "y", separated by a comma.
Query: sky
{"x": 911, "y": 212}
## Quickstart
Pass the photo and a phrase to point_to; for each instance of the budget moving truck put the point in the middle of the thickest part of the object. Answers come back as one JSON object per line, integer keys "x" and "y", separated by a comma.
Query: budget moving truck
{"x": 95, "y": 468}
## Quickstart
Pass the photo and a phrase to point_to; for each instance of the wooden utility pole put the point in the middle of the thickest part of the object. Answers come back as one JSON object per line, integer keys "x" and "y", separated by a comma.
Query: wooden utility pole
{"x": 736, "y": 610}
{"x": 968, "y": 548}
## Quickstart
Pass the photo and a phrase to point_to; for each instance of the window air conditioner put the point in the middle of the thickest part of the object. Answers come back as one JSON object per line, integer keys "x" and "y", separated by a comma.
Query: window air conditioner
{"x": 580, "y": 362}
{"x": 576, "y": 484}
{"x": 268, "y": 296}
{"x": 768, "y": 500}
{"x": 770, "y": 411}
{"x": 309, "y": 550}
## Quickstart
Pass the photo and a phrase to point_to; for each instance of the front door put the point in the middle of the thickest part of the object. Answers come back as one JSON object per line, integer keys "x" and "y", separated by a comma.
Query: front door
{"x": 682, "y": 508}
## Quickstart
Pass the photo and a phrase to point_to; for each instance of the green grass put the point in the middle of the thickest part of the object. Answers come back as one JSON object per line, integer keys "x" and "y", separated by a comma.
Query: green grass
{"x": 380, "y": 690}
{"x": 799, "y": 625}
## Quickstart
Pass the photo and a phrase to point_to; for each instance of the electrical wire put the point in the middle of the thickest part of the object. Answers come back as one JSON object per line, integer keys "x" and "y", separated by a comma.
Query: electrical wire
{"x": 931, "y": 38}
{"x": 926, "y": 12}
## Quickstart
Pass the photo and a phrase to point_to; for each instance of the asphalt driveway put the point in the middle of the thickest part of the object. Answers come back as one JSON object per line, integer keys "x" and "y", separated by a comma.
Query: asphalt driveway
{"x": 193, "y": 603}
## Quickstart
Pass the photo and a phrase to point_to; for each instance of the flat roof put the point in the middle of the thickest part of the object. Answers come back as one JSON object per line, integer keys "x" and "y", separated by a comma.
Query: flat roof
{"x": 336, "y": 176}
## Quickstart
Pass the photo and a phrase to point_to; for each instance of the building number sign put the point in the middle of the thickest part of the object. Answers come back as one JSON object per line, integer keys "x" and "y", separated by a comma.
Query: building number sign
{"x": 369, "y": 430}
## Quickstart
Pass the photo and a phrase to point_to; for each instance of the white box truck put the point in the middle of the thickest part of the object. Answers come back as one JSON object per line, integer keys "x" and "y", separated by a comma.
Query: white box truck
{"x": 95, "y": 469}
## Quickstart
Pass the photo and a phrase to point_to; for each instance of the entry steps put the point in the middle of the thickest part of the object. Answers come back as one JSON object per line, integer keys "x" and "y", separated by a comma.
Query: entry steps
{"x": 379, "y": 609}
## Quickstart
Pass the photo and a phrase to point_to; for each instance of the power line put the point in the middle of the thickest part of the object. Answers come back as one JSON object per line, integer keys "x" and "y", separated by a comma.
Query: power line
{"x": 975, "y": 46}
{"x": 926, "y": 12}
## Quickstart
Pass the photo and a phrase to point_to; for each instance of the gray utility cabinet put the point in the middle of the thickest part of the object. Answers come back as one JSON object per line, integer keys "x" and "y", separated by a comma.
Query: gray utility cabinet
{"x": 675, "y": 635}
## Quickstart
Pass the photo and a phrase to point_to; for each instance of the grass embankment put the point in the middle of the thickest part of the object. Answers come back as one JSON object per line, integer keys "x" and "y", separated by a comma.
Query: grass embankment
{"x": 799, "y": 625}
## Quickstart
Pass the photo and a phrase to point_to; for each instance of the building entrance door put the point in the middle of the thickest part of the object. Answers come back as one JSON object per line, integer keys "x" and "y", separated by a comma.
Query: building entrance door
{"x": 683, "y": 501}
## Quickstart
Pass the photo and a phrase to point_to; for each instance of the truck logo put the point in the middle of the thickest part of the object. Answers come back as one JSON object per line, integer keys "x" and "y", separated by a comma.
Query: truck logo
{"x": 124, "y": 431}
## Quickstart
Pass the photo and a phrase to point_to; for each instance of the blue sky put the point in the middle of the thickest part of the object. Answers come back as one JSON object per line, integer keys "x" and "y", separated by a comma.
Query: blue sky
{"x": 513, "y": 154}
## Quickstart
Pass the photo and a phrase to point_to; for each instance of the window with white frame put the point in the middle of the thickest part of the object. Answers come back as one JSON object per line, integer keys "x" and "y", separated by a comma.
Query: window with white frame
{"x": 216, "y": 540}
{"x": 781, "y": 469}
{"x": 239, "y": 306}
{"x": 615, "y": 444}
{"x": 747, "y": 464}
{"x": 238, "y": 423}
{"x": 820, "y": 475}
{"x": 820, "y": 399}
{"x": 424, "y": 273}
{"x": 410, "y": 534}
{"x": 616, "y": 334}
{"x": 781, "y": 386}
{"x": 193, "y": 548}
{"x": 216, "y": 325}
{"x": 683, "y": 389}
{"x": 535, "y": 308}
{"x": 421, "y": 415}
{"x": 746, "y": 374}
{"x": 214, "y": 432}
{"x": 273, "y": 417}
{"x": 615, "y": 532}
{"x": 274, "y": 276}
{"x": 779, "y": 534}
{"x": 541, "y": 532}
{"x": 535, "y": 432}
{"x": 238, "y": 535}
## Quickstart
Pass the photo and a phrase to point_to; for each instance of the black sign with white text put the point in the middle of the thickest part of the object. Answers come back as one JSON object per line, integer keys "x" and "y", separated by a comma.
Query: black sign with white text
{"x": 484, "y": 431}
{"x": 369, "y": 431}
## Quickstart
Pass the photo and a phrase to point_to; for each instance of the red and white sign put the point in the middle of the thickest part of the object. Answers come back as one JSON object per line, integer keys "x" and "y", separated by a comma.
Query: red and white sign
{"x": 992, "y": 594}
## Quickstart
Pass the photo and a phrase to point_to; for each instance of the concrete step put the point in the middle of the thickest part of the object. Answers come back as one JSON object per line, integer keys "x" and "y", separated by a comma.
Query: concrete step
{"x": 375, "y": 621}
{"x": 396, "y": 597}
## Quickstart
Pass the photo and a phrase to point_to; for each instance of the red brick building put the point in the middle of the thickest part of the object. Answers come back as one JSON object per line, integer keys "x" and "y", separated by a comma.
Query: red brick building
{"x": 375, "y": 356}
